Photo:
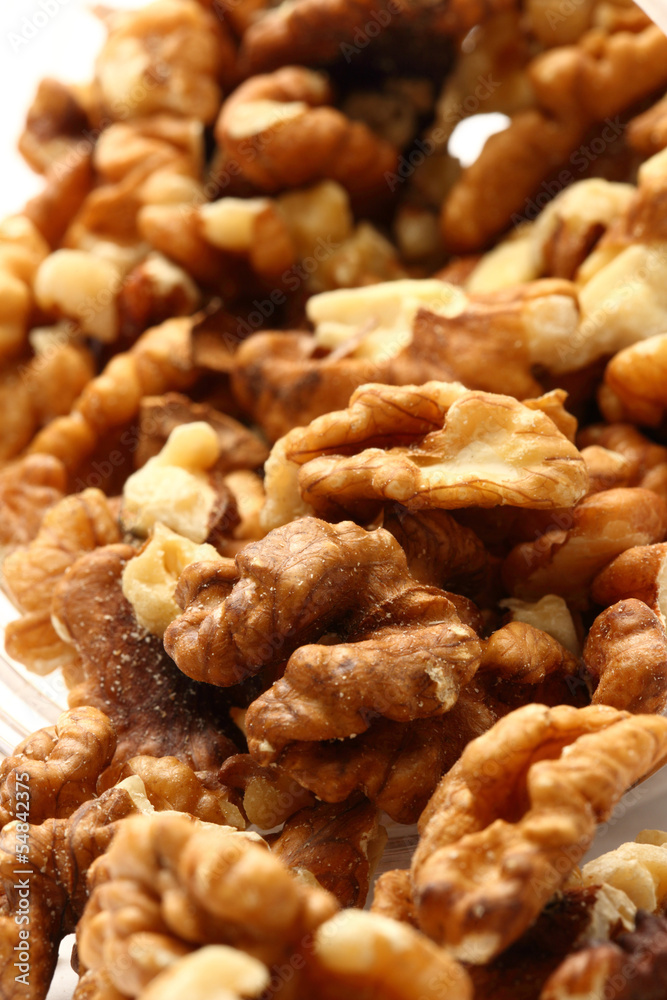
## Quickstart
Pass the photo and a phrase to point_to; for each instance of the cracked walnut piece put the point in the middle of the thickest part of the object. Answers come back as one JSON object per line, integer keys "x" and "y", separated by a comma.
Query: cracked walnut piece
{"x": 435, "y": 445}
{"x": 27, "y": 489}
{"x": 60, "y": 764}
{"x": 309, "y": 580}
{"x": 76, "y": 524}
{"x": 282, "y": 132}
{"x": 169, "y": 884}
{"x": 154, "y": 708}
{"x": 516, "y": 814}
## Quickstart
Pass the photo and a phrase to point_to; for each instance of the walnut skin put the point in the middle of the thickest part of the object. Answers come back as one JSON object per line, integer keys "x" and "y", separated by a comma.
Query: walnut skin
{"x": 338, "y": 845}
{"x": 566, "y": 558}
{"x": 169, "y": 884}
{"x": 62, "y": 765}
{"x": 78, "y": 523}
{"x": 638, "y": 572}
{"x": 492, "y": 852}
{"x": 154, "y": 708}
{"x": 281, "y": 132}
{"x": 427, "y": 446}
{"x": 626, "y": 656}
{"x": 27, "y": 489}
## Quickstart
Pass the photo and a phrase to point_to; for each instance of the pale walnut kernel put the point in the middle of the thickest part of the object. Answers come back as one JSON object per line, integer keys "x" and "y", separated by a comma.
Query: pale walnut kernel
{"x": 83, "y": 287}
{"x": 430, "y": 446}
{"x": 215, "y": 970}
{"x": 516, "y": 814}
{"x": 150, "y": 579}
{"x": 173, "y": 487}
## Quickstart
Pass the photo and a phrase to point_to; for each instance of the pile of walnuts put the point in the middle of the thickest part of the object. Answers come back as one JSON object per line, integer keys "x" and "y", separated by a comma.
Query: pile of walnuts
{"x": 333, "y": 480}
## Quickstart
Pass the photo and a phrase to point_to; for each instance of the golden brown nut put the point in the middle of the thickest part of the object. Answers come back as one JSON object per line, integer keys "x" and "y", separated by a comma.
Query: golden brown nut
{"x": 440, "y": 551}
{"x": 550, "y": 614}
{"x": 638, "y": 572}
{"x": 633, "y": 966}
{"x": 152, "y": 292}
{"x": 154, "y": 708}
{"x": 54, "y": 123}
{"x": 392, "y": 897}
{"x": 637, "y": 868}
{"x": 68, "y": 183}
{"x": 77, "y": 524}
{"x": 27, "y": 489}
{"x": 171, "y": 784}
{"x": 227, "y": 972}
{"x": 647, "y": 133}
{"x": 158, "y": 362}
{"x": 270, "y": 796}
{"x": 282, "y": 133}
{"x": 22, "y": 248}
{"x": 626, "y": 656}
{"x": 425, "y": 446}
{"x": 58, "y": 767}
{"x": 516, "y": 814}
{"x": 308, "y": 580}
{"x": 58, "y": 854}
{"x": 339, "y": 845}
{"x": 159, "y": 415}
{"x": 364, "y": 954}
{"x": 566, "y": 558}
{"x": 521, "y": 663}
{"x": 396, "y": 765}
{"x": 166, "y": 57}
{"x": 634, "y": 383}
{"x": 169, "y": 884}
{"x": 643, "y": 454}
{"x": 575, "y": 86}
{"x": 606, "y": 469}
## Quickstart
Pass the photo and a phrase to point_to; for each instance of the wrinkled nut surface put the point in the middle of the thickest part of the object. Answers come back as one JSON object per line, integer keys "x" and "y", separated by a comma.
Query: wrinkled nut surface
{"x": 309, "y": 579}
{"x": 626, "y": 655}
{"x": 429, "y": 446}
{"x": 639, "y": 572}
{"x": 150, "y": 579}
{"x": 270, "y": 796}
{"x": 281, "y": 133}
{"x": 637, "y": 868}
{"x": 215, "y": 970}
{"x": 169, "y": 883}
{"x": 59, "y": 765}
{"x": 550, "y": 614}
{"x": 634, "y": 383}
{"x": 76, "y": 524}
{"x": 515, "y": 815}
{"x": 27, "y": 489}
{"x": 566, "y": 558}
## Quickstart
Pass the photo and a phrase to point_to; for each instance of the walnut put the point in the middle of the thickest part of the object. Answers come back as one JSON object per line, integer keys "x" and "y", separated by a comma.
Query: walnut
{"x": 76, "y": 524}
{"x": 647, "y": 132}
{"x": 574, "y": 87}
{"x": 626, "y": 656}
{"x": 238, "y": 447}
{"x": 166, "y": 57}
{"x": 152, "y": 292}
{"x": 396, "y": 765}
{"x": 270, "y": 796}
{"x": 174, "y": 488}
{"x": 606, "y": 469}
{"x": 392, "y": 897}
{"x": 634, "y": 966}
{"x": 317, "y": 31}
{"x": 22, "y": 248}
{"x": 440, "y": 551}
{"x": 637, "y": 868}
{"x": 633, "y": 383}
{"x": 158, "y": 362}
{"x": 638, "y": 572}
{"x": 229, "y": 973}
{"x": 60, "y": 853}
{"x": 282, "y": 132}
{"x": 339, "y": 845}
{"x": 68, "y": 183}
{"x": 550, "y": 614}
{"x": 27, "y": 489}
{"x": 492, "y": 852}
{"x": 365, "y": 954}
{"x": 150, "y": 579}
{"x": 521, "y": 663}
{"x": 284, "y": 601}
{"x": 168, "y": 884}
{"x": 643, "y": 455}
{"x": 80, "y": 286}
{"x": 58, "y": 766}
{"x": 426, "y": 446}
{"x": 168, "y": 783}
{"x": 253, "y": 228}
{"x": 55, "y": 121}
{"x": 565, "y": 559}
{"x": 154, "y": 708}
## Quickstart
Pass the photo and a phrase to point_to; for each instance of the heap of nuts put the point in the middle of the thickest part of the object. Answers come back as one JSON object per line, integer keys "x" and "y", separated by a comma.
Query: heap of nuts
{"x": 333, "y": 480}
